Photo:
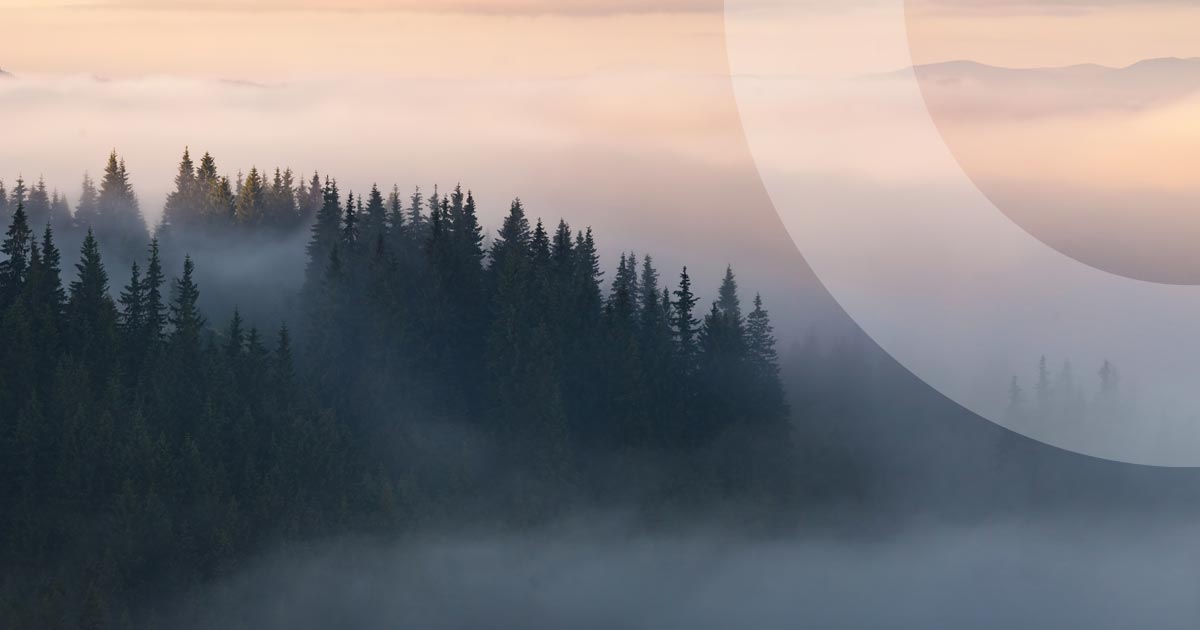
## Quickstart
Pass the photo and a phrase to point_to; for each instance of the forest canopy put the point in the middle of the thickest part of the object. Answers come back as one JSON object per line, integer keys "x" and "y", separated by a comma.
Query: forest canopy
{"x": 423, "y": 375}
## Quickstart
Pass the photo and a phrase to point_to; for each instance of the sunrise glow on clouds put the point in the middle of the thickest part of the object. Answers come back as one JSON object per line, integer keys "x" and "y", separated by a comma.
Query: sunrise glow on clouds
{"x": 622, "y": 86}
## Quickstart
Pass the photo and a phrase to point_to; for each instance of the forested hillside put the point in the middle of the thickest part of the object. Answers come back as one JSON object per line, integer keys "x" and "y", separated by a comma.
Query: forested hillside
{"x": 424, "y": 378}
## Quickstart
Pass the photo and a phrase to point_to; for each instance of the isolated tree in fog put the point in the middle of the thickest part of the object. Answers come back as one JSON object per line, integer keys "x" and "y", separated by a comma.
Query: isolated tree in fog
{"x": 119, "y": 223}
{"x": 88, "y": 209}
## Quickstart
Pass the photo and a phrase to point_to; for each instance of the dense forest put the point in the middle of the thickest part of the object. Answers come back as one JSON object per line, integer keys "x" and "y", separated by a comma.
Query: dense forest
{"x": 427, "y": 375}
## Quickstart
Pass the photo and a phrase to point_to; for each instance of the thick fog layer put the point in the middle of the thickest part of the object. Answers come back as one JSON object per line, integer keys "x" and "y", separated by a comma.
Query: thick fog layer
{"x": 1082, "y": 573}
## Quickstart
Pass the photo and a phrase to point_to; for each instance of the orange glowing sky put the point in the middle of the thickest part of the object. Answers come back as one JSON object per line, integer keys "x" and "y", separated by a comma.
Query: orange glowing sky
{"x": 497, "y": 92}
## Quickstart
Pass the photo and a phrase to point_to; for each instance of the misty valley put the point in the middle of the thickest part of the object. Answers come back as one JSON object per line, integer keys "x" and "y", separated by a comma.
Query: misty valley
{"x": 290, "y": 405}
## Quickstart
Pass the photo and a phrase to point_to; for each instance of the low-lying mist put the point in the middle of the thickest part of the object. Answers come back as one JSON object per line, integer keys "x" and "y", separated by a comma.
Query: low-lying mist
{"x": 1083, "y": 572}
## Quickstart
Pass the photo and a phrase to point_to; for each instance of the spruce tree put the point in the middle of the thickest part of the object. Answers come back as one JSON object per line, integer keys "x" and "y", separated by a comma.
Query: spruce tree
{"x": 350, "y": 231}
{"x": 185, "y": 318}
{"x": 513, "y": 239}
{"x": 763, "y": 363}
{"x": 37, "y": 207}
{"x": 684, "y": 321}
{"x": 14, "y": 270}
{"x": 133, "y": 307}
{"x": 20, "y": 194}
{"x": 727, "y": 298}
{"x": 87, "y": 211}
{"x": 182, "y": 207}
{"x": 416, "y": 219}
{"x": 250, "y": 209}
{"x": 155, "y": 308}
{"x": 60, "y": 213}
{"x": 91, "y": 313}
{"x": 374, "y": 218}
{"x": 326, "y": 232}
{"x": 119, "y": 222}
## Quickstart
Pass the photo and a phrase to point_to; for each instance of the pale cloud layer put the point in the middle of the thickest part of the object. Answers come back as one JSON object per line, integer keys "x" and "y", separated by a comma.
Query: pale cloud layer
{"x": 494, "y": 7}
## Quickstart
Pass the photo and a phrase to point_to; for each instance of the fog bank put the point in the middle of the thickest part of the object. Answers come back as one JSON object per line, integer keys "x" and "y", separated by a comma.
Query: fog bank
{"x": 1093, "y": 573}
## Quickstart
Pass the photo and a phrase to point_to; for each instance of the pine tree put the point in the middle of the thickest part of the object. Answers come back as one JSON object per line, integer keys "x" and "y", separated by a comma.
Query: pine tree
{"x": 281, "y": 212}
{"x": 19, "y": 195}
{"x": 133, "y": 307}
{"x": 45, "y": 303}
{"x": 91, "y": 313}
{"x": 728, "y": 300}
{"x": 684, "y": 322}
{"x": 309, "y": 200}
{"x": 763, "y": 363}
{"x": 185, "y": 317}
{"x": 60, "y": 213}
{"x": 395, "y": 218}
{"x": 155, "y": 307}
{"x": 119, "y": 222}
{"x": 182, "y": 207}
{"x": 652, "y": 316}
{"x": 1043, "y": 388}
{"x": 350, "y": 230}
{"x": 374, "y": 218}
{"x": 48, "y": 287}
{"x": 37, "y": 208}
{"x": 326, "y": 232}
{"x": 468, "y": 239}
{"x": 416, "y": 219}
{"x": 622, "y": 298}
{"x": 14, "y": 271}
{"x": 514, "y": 236}
{"x": 87, "y": 211}
{"x": 250, "y": 208}
{"x": 214, "y": 194}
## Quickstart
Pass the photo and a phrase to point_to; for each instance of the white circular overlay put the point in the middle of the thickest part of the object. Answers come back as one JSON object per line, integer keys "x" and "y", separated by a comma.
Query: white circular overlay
{"x": 929, "y": 267}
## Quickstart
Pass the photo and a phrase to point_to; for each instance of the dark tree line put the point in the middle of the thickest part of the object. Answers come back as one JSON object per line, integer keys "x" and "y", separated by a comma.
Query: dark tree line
{"x": 145, "y": 449}
{"x": 1057, "y": 398}
{"x": 408, "y": 312}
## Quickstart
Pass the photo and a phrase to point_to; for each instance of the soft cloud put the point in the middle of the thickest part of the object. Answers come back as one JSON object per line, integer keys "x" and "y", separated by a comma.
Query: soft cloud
{"x": 502, "y": 7}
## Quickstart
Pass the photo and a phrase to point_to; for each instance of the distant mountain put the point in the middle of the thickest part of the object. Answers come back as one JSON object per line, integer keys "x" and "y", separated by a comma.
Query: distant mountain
{"x": 5, "y": 75}
{"x": 959, "y": 85}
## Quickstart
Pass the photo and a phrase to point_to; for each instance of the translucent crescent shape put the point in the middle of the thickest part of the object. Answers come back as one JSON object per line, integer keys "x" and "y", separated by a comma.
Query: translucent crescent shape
{"x": 930, "y": 268}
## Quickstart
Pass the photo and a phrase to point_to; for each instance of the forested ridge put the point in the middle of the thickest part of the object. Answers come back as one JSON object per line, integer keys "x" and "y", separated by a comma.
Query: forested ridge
{"x": 427, "y": 375}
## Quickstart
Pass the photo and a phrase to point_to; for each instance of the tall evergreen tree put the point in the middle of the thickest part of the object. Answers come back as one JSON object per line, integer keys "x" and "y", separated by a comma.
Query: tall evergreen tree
{"x": 14, "y": 270}
{"x": 183, "y": 203}
{"x": 19, "y": 195}
{"x": 350, "y": 231}
{"x": 250, "y": 208}
{"x": 185, "y": 318}
{"x": 763, "y": 363}
{"x": 684, "y": 321}
{"x": 37, "y": 207}
{"x": 60, "y": 213}
{"x": 88, "y": 208}
{"x": 119, "y": 222}
{"x": 155, "y": 306}
{"x": 374, "y": 218}
{"x": 91, "y": 313}
{"x": 326, "y": 232}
